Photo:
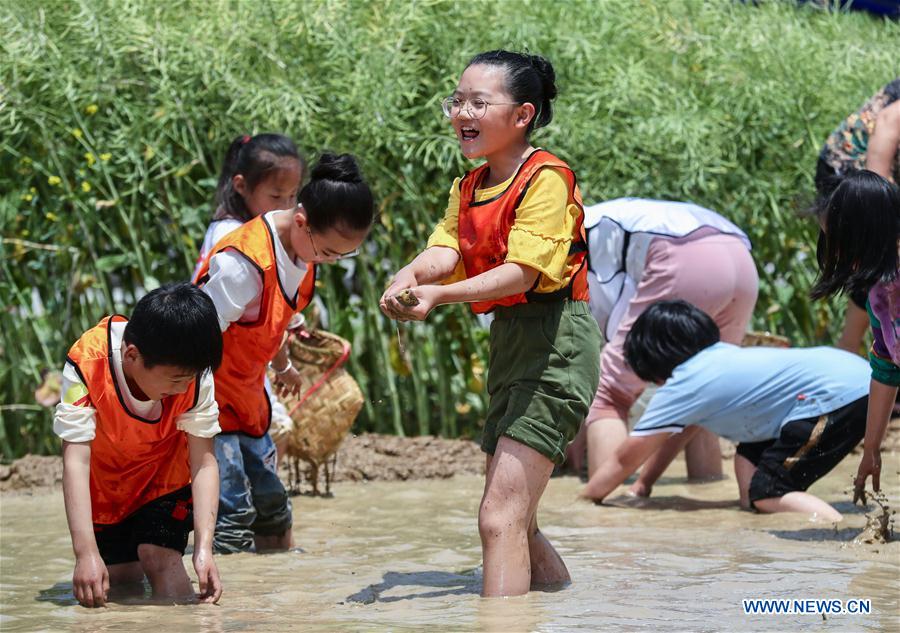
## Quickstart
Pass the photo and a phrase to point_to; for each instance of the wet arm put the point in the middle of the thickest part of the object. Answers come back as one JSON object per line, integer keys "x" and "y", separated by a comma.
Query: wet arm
{"x": 659, "y": 461}
{"x": 90, "y": 580}
{"x": 205, "y": 491}
{"x": 627, "y": 459}
{"x": 204, "y": 488}
{"x": 502, "y": 281}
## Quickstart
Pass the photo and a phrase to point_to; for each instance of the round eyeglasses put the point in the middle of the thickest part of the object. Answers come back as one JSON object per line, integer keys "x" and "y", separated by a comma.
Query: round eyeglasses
{"x": 475, "y": 108}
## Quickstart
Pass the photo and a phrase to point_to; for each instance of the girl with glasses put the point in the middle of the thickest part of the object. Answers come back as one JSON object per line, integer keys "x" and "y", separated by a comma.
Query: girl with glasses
{"x": 259, "y": 276}
{"x": 512, "y": 243}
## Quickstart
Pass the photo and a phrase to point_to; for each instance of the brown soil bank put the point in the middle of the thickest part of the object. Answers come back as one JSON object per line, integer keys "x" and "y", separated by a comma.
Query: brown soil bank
{"x": 366, "y": 457}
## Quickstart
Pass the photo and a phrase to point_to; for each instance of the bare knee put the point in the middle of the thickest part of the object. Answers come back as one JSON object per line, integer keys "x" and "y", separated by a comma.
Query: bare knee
{"x": 156, "y": 560}
{"x": 497, "y": 519}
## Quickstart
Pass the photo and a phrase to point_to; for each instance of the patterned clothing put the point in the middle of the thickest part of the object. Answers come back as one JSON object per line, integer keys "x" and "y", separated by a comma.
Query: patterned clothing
{"x": 884, "y": 315}
{"x": 845, "y": 149}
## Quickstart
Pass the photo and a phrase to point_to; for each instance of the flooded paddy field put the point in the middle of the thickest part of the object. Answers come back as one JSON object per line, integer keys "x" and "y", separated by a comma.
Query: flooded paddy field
{"x": 405, "y": 556}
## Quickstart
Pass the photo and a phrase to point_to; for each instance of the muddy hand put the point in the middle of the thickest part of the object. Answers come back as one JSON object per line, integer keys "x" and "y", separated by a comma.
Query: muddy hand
{"x": 407, "y": 298}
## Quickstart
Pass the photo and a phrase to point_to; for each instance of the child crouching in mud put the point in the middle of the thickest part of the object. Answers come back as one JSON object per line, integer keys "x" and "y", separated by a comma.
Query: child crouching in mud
{"x": 137, "y": 419}
{"x": 794, "y": 413}
{"x": 512, "y": 243}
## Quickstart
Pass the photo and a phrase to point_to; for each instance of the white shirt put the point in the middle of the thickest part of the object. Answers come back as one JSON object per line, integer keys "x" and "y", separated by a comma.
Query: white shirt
{"x": 619, "y": 234}
{"x": 235, "y": 285}
{"x": 75, "y": 423}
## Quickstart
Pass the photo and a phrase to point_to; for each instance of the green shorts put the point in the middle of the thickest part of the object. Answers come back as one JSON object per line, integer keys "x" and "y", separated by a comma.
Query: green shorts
{"x": 544, "y": 370}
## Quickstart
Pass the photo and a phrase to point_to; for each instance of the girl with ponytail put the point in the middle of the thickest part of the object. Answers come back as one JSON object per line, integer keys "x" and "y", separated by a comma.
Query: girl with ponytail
{"x": 259, "y": 277}
{"x": 512, "y": 243}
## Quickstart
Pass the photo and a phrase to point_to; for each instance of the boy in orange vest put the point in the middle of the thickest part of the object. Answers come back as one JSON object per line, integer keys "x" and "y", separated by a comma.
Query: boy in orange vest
{"x": 137, "y": 418}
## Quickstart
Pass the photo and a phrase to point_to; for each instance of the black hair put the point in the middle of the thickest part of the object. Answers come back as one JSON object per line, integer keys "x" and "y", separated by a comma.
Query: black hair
{"x": 667, "y": 334}
{"x": 255, "y": 158}
{"x": 176, "y": 325}
{"x": 858, "y": 247}
{"x": 336, "y": 196}
{"x": 529, "y": 79}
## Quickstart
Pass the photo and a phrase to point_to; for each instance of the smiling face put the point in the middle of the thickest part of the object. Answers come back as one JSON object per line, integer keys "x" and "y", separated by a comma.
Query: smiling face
{"x": 277, "y": 191}
{"x": 504, "y": 123}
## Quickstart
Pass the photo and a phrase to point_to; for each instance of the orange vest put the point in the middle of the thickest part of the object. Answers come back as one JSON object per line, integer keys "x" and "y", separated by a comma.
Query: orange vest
{"x": 133, "y": 460}
{"x": 484, "y": 230}
{"x": 248, "y": 346}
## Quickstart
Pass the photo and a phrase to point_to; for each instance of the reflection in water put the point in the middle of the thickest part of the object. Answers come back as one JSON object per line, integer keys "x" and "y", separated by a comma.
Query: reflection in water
{"x": 405, "y": 557}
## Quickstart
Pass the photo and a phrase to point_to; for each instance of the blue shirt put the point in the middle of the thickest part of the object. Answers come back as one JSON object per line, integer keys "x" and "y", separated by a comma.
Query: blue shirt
{"x": 748, "y": 394}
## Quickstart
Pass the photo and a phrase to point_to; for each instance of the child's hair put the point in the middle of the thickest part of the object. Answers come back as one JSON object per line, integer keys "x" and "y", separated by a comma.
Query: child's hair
{"x": 858, "y": 246}
{"x": 255, "y": 158}
{"x": 336, "y": 196}
{"x": 664, "y": 336}
{"x": 176, "y": 325}
{"x": 529, "y": 79}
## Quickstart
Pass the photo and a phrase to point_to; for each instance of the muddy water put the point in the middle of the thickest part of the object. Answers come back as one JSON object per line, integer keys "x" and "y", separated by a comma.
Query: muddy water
{"x": 405, "y": 556}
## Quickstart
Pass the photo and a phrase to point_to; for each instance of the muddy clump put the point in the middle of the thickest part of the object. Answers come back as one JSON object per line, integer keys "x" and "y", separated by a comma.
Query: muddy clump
{"x": 879, "y": 523}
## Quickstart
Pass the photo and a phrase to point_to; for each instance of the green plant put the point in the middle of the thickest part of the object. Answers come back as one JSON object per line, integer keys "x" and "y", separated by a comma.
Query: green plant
{"x": 115, "y": 116}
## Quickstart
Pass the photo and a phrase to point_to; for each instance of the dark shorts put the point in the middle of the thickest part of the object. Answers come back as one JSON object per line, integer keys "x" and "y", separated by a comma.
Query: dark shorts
{"x": 805, "y": 451}
{"x": 544, "y": 370}
{"x": 165, "y": 521}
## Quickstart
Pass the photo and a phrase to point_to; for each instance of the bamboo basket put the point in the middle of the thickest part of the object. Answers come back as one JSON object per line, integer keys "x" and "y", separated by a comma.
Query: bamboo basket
{"x": 325, "y": 409}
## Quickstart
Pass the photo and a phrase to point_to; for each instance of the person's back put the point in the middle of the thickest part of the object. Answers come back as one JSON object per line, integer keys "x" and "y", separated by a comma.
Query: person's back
{"x": 795, "y": 414}
{"x": 748, "y": 394}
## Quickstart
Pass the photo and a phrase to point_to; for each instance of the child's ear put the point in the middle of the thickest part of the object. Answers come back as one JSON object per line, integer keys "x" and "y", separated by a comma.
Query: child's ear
{"x": 300, "y": 217}
{"x": 524, "y": 114}
{"x": 130, "y": 353}
{"x": 239, "y": 183}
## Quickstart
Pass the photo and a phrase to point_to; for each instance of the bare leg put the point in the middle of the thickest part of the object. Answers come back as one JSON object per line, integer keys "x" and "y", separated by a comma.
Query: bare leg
{"x": 277, "y": 543}
{"x": 516, "y": 478}
{"x": 604, "y": 436}
{"x": 703, "y": 456}
{"x": 547, "y": 566}
{"x": 743, "y": 472}
{"x": 126, "y": 580}
{"x": 165, "y": 569}
{"x": 800, "y": 502}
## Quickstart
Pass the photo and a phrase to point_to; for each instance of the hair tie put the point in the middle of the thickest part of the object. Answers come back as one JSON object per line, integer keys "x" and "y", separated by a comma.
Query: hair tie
{"x": 246, "y": 139}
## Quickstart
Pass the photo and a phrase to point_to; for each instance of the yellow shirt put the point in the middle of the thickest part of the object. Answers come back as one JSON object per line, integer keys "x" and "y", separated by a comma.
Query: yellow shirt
{"x": 540, "y": 237}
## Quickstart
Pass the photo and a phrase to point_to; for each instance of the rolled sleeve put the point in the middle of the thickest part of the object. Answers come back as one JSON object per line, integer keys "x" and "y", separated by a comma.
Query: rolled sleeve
{"x": 545, "y": 223}
{"x": 446, "y": 233}
{"x": 74, "y": 419}
{"x": 203, "y": 419}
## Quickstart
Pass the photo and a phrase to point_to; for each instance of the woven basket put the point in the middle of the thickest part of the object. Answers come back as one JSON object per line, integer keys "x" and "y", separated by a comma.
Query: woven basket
{"x": 326, "y": 408}
{"x": 765, "y": 339}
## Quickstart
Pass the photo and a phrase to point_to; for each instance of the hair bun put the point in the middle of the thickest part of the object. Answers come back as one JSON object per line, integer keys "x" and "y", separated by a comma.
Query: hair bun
{"x": 337, "y": 167}
{"x": 548, "y": 76}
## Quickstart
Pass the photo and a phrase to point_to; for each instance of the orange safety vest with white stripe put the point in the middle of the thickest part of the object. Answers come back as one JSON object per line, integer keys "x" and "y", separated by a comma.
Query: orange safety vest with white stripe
{"x": 484, "y": 228}
{"x": 248, "y": 346}
{"x": 134, "y": 460}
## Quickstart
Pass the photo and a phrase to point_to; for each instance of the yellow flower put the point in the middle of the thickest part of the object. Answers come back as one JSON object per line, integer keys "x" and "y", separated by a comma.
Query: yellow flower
{"x": 51, "y": 216}
{"x": 27, "y": 197}
{"x": 91, "y": 109}
{"x": 77, "y": 133}
{"x": 25, "y": 160}
{"x": 54, "y": 181}
{"x": 32, "y": 189}
{"x": 149, "y": 152}
{"x": 90, "y": 158}
{"x": 85, "y": 186}
{"x": 105, "y": 156}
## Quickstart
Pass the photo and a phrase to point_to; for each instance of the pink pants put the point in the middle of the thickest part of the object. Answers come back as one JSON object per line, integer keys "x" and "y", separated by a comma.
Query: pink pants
{"x": 713, "y": 271}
